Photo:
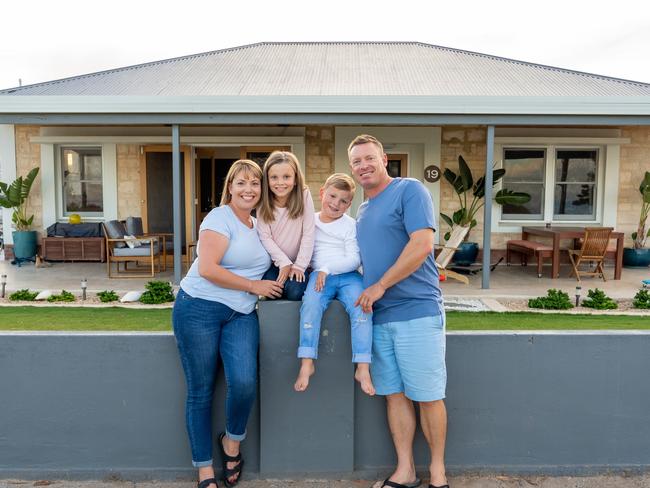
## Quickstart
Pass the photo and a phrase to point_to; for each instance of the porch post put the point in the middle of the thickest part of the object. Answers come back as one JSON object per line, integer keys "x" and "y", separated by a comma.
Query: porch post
{"x": 487, "y": 209}
{"x": 176, "y": 183}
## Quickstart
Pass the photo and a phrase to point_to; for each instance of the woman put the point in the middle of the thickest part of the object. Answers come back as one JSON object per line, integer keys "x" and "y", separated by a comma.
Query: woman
{"x": 214, "y": 315}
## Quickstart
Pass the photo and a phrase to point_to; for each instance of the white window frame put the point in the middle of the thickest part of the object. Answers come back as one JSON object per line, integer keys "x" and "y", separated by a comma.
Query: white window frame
{"x": 61, "y": 211}
{"x": 606, "y": 179}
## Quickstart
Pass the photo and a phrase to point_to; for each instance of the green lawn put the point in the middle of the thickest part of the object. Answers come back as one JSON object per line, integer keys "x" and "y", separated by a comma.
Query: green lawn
{"x": 125, "y": 319}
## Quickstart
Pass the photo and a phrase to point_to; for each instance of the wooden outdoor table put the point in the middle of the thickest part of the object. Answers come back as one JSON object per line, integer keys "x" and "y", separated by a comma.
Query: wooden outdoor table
{"x": 558, "y": 233}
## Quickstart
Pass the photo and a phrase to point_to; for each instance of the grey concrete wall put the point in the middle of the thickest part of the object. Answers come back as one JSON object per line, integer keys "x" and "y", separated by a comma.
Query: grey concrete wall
{"x": 96, "y": 405}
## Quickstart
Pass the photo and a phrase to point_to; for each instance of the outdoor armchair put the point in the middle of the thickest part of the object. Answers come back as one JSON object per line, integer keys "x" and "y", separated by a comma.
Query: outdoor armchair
{"x": 443, "y": 259}
{"x": 593, "y": 250}
{"x": 121, "y": 249}
{"x": 134, "y": 227}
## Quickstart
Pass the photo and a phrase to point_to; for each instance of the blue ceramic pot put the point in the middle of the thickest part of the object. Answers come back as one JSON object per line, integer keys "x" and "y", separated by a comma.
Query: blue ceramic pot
{"x": 466, "y": 254}
{"x": 636, "y": 258}
{"x": 24, "y": 244}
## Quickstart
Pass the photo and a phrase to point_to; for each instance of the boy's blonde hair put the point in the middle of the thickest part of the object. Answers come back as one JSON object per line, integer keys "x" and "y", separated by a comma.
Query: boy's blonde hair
{"x": 341, "y": 181}
{"x": 240, "y": 166}
{"x": 365, "y": 139}
{"x": 295, "y": 204}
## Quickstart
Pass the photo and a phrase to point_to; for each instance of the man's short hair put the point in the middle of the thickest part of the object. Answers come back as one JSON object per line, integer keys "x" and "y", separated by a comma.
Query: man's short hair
{"x": 365, "y": 139}
{"x": 341, "y": 181}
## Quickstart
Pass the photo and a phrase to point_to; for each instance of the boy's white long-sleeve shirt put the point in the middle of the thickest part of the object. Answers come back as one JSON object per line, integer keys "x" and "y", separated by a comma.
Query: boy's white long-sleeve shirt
{"x": 335, "y": 246}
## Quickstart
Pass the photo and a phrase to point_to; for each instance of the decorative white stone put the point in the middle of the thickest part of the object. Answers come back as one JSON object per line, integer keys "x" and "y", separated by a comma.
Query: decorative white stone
{"x": 131, "y": 296}
{"x": 44, "y": 295}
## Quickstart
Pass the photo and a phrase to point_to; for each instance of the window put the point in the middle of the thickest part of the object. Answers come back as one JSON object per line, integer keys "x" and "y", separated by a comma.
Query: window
{"x": 575, "y": 184}
{"x": 81, "y": 178}
{"x": 525, "y": 169}
{"x": 562, "y": 183}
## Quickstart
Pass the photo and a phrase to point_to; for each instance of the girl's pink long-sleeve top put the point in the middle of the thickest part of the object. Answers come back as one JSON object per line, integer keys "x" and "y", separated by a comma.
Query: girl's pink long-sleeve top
{"x": 290, "y": 241}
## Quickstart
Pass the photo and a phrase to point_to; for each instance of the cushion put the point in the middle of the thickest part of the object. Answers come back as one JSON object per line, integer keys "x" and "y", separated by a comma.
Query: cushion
{"x": 115, "y": 230}
{"x": 144, "y": 250}
{"x": 134, "y": 226}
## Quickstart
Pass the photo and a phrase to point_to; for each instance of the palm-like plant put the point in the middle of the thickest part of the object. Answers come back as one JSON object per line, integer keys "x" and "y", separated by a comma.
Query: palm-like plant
{"x": 641, "y": 235}
{"x": 15, "y": 196}
{"x": 463, "y": 184}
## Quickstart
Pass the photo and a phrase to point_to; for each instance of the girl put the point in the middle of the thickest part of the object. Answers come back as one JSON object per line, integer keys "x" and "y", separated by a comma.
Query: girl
{"x": 286, "y": 223}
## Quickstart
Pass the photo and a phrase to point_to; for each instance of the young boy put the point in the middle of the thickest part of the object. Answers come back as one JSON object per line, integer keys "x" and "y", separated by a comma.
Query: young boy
{"x": 334, "y": 262}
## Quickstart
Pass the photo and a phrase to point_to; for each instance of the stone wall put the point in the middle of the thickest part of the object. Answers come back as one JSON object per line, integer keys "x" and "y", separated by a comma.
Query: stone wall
{"x": 28, "y": 156}
{"x": 128, "y": 181}
{"x": 635, "y": 161}
{"x": 319, "y": 151}
{"x": 469, "y": 142}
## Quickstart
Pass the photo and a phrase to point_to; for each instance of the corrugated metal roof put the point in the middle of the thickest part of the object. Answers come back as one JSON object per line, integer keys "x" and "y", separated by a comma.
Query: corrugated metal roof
{"x": 338, "y": 69}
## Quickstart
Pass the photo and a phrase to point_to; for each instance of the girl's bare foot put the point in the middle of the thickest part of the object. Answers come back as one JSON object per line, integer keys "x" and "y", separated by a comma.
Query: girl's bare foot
{"x": 306, "y": 370}
{"x": 362, "y": 375}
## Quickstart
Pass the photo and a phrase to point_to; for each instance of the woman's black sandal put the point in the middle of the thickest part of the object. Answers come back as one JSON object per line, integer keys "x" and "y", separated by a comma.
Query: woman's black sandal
{"x": 225, "y": 458}
{"x": 208, "y": 482}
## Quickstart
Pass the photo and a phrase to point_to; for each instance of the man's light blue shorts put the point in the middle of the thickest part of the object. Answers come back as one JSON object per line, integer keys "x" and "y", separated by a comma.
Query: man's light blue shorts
{"x": 409, "y": 357}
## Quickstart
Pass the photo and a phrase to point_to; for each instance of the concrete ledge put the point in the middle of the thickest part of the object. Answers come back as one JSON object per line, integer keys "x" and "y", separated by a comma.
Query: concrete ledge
{"x": 97, "y": 405}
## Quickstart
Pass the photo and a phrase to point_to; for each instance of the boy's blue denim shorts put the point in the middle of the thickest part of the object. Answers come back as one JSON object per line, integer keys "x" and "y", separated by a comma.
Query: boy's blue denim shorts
{"x": 409, "y": 357}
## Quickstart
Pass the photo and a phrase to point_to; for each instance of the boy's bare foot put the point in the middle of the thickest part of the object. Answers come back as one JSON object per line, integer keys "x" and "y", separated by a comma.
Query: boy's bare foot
{"x": 362, "y": 375}
{"x": 306, "y": 370}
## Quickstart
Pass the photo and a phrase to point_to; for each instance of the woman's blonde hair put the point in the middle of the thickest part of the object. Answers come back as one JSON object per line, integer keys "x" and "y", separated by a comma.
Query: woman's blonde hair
{"x": 239, "y": 166}
{"x": 295, "y": 204}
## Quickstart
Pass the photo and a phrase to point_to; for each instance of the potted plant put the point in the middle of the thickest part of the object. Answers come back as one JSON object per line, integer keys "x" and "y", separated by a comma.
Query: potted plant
{"x": 15, "y": 196}
{"x": 639, "y": 255}
{"x": 471, "y": 197}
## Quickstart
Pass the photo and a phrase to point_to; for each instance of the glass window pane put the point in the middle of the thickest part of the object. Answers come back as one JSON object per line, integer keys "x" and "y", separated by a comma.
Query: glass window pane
{"x": 574, "y": 199}
{"x": 533, "y": 208}
{"x": 81, "y": 170}
{"x": 576, "y": 165}
{"x": 524, "y": 165}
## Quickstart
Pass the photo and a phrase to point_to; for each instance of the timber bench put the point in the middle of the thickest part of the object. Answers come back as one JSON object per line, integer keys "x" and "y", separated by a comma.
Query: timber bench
{"x": 529, "y": 248}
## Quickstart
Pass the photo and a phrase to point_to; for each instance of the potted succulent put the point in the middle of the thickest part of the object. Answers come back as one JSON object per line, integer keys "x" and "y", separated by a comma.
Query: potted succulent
{"x": 639, "y": 255}
{"x": 471, "y": 197}
{"x": 14, "y": 196}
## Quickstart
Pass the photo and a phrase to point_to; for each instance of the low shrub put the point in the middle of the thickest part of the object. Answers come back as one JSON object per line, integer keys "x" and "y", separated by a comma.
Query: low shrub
{"x": 64, "y": 296}
{"x": 107, "y": 296}
{"x": 597, "y": 299}
{"x": 642, "y": 299}
{"x": 157, "y": 292}
{"x": 23, "y": 295}
{"x": 554, "y": 300}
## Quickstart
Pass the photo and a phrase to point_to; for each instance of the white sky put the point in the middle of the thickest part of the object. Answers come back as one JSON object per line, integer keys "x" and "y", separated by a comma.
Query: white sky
{"x": 46, "y": 40}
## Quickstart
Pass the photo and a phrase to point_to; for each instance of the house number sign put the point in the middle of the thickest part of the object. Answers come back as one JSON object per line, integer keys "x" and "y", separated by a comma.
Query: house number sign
{"x": 432, "y": 173}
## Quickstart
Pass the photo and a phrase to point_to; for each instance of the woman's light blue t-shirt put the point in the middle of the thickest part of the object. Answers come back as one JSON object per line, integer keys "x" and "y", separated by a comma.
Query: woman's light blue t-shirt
{"x": 245, "y": 257}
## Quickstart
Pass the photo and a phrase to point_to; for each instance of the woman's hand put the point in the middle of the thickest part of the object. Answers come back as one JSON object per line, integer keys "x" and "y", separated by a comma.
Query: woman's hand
{"x": 266, "y": 288}
{"x": 283, "y": 274}
{"x": 320, "y": 281}
{"x": 297, "y": 274}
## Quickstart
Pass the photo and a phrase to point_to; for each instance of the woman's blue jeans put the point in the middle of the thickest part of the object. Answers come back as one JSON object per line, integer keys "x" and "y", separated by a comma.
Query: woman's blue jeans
{"x": 204, "y": 331}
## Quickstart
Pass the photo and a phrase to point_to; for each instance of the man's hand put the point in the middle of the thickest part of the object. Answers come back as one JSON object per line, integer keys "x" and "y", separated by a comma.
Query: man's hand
{"x": 369, "y": 296}
{"x": 283, "y": 274}
{"x": 297, "y": 274}
{"x": 320, "y": 281}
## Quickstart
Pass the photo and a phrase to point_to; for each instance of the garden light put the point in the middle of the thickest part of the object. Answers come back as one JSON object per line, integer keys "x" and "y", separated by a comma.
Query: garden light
{"x": 3, "y": 282}
{"x": 84, "y": 285}
{"x": 578, "y": 290}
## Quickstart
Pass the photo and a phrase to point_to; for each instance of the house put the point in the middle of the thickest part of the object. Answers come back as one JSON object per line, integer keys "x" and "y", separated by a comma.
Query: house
{"x": 576, "y": 142}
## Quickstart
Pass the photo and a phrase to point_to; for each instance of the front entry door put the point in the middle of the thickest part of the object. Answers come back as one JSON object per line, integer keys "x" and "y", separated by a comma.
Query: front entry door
{"x": 157, "y": 202}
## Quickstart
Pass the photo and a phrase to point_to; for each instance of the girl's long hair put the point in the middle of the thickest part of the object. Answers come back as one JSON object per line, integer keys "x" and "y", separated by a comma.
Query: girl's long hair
{"x": 295, "y": 204}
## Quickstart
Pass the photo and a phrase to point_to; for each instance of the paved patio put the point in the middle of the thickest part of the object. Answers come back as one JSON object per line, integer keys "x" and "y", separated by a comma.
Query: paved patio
{"x": 506, "y": 281}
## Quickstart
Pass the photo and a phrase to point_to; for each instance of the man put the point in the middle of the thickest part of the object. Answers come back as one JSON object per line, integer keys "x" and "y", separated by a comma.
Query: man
{"x": 395, "y": 229}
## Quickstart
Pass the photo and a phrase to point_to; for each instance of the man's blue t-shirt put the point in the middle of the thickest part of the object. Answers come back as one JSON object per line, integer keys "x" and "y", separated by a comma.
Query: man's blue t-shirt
{"x": 384, "y": 225}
